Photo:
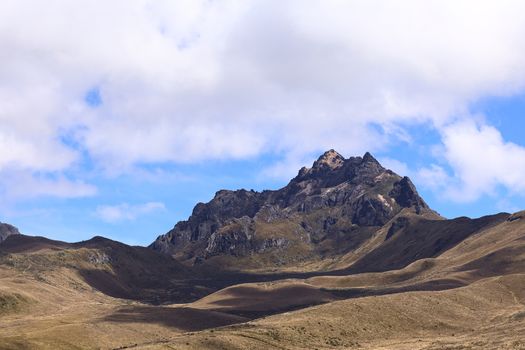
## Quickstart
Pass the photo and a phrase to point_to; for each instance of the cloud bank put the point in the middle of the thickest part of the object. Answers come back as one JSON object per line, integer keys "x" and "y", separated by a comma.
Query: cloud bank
{"x": 138, "y": 82}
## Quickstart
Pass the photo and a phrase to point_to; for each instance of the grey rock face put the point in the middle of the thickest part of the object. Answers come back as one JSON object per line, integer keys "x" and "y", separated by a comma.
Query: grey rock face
{"x": 322, "y": 203}
{"x": 7, "y": 230}
{"x": 99, "y": 258}
{"x": 235, "y": 240}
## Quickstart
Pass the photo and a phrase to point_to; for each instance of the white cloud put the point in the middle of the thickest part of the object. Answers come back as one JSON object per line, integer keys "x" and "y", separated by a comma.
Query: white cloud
{"x": 396, "y": 166}
{"x": 480, "y": 161}
{"x": 126, "y": 212}
{"x": 15, "y": 185}
{"x": 186, "y": 81}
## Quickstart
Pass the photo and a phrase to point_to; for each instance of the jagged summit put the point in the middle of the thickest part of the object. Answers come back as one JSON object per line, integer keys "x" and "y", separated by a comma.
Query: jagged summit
{"x": 330, "y": 159}
{"x": 328, "y": 209}
{"x": 368, "y": 158}
{"x": 331, "y": 169}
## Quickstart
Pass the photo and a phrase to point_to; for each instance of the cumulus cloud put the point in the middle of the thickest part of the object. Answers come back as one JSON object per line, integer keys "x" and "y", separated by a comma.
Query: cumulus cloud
{"x": 480, "y": 160}
{"x": 434, "y": 177}
{"x": 185, "y": 81}
{"x": 126, "y": 212}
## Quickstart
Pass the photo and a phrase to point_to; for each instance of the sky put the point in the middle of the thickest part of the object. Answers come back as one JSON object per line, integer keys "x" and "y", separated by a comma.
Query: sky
{"x": 117, "y": 117}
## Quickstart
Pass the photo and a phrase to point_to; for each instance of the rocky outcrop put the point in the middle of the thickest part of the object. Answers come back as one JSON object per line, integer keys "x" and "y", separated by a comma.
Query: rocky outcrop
{"x": 7, "y": 230}
{"x": 330, "y": 204}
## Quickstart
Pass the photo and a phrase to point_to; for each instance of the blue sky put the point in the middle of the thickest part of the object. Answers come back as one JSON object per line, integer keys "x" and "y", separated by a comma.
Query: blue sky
{"x": 180, "y": 187}
{"x": 119, "y": 129}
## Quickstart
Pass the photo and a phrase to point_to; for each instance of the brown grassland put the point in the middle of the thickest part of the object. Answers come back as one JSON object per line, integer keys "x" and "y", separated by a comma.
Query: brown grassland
{"x": 101, "y": 294}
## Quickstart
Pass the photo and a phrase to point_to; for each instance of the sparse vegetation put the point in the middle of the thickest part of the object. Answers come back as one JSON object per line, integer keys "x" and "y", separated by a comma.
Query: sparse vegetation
{"x": 417, "y": 282}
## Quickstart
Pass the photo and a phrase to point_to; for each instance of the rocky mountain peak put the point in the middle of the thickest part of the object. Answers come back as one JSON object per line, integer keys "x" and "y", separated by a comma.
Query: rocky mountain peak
{"x": 332, "y": 169}
{"x": 368, "y": 158}
{"x": 332, "y": 205}
{"x": 330, "y": 159}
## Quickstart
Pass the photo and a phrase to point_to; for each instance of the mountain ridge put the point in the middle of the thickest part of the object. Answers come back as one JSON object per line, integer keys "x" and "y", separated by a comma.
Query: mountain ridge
{"x": 335, "y": 204}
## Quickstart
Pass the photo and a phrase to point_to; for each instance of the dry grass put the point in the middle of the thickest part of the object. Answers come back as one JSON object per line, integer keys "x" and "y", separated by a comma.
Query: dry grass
{"x": 471, "y": 296}
{"x": 489, "y": 314}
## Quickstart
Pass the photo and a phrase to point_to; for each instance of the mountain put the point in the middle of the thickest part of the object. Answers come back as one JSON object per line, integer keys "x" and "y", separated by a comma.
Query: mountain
{"x": 7, "y": 230}
{"x": 326, "y": 211}
{"x": 347, "y": 255}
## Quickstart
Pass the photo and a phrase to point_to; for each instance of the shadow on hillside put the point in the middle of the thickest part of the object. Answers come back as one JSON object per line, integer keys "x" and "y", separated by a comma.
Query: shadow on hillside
{"x": 185, "y": 291}
{"x": 429, "y": 286}
{"x": 248, "y": 296}
{"x": 154, "y": 290}
{"x": 182, "y": 318}
{"x": 164, "y": 283}
{"x": 106, "y": 283}
{"x": 241, "y": 308}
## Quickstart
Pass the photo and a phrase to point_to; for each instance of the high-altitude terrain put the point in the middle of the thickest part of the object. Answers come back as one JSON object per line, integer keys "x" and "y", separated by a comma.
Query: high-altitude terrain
{"x": 326, "y": 211}
{"x": 347, "y": 255}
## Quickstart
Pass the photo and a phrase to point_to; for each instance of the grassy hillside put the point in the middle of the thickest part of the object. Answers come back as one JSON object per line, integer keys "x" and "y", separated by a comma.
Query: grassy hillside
{"x": 464, "y": 290}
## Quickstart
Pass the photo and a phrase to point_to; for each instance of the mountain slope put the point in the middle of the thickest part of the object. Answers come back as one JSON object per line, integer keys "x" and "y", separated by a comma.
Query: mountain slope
{"x": 7, "y": 230}
{"x": 347, "y": 255}
{"x": 326, "y": 211}
{"x": 109, "y": 267}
